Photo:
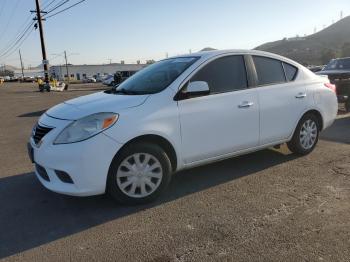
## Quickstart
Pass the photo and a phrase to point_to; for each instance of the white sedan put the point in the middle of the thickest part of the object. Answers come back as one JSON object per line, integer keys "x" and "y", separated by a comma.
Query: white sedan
{"x": 179, "y": 113}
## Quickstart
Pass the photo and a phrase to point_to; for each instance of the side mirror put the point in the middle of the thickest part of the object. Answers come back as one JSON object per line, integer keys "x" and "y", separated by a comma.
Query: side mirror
{"x": 197, "y": 87}
{"x": 194, "y": 89}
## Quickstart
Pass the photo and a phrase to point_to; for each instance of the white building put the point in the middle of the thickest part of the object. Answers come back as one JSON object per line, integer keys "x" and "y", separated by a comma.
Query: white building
{"x": 29, "y": 72}
{"x": 80, "y": 72}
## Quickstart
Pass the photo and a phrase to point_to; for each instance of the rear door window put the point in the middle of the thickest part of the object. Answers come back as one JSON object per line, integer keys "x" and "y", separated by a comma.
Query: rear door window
{"x": 269, "y": 71}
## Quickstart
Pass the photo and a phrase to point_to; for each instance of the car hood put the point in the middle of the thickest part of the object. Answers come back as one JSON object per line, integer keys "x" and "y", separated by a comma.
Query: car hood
{"x": 95, "y": 103}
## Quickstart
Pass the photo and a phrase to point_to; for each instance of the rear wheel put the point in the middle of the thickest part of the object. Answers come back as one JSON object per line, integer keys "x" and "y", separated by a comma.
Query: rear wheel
{"x": 347, "y": 105}
{"x": 305, "y": 136}
{"x": 139, "y": 174}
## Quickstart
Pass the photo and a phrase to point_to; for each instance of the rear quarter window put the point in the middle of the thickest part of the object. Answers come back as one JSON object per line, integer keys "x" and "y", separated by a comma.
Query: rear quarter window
{"x": 291, "y": 71}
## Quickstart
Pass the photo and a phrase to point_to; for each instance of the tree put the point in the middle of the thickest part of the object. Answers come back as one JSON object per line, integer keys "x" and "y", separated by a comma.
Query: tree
{"x": 327, "y": 55}
{"x": 149, "y": 62}
{"x": 345, "y": 51}
{"x": 6, "y": 73}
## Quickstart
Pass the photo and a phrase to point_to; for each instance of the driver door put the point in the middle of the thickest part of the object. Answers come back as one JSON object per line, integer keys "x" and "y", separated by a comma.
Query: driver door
{"x": 224, "y": 121}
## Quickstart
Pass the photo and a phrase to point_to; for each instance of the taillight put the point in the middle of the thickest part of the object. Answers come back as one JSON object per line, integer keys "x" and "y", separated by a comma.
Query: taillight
{"x": 331, "y": 86}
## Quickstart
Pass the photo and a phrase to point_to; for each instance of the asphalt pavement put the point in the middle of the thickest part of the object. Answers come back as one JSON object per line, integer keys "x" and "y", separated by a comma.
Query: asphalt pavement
{"x": 266, "y": 206}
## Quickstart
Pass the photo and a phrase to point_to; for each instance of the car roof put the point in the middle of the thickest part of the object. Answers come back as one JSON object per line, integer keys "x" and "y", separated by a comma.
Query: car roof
{"x": 214, "y": 53}
{"x": 343, "y": 58}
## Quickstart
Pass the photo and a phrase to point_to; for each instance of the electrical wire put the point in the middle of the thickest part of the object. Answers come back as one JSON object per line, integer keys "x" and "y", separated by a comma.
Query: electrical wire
{"x": 20, "y": 44}
{"x": 10, "y": 19}
{"x": 18, "y": 33}
{"x": 2, "y": 7}
{"x": 18, "y": 40}
{"x": 63, "y": 10}
{"x": 59, "y": 4}
{"x": 47, "y": 5}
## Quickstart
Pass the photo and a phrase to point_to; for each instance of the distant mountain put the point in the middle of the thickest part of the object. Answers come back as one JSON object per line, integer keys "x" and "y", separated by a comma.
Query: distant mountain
{"x": 13, "y": 68}
{"x": 316, "y": 49}
{"x": 9, "y": 67}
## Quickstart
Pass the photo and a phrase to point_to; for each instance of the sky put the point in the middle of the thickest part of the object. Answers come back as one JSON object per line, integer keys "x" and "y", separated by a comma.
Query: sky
{"x": 100, "y": 31}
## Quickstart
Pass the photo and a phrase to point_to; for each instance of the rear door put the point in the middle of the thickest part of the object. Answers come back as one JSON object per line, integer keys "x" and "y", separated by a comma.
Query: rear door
{"x": 282, "y": 100}
{"x": 224, "y": 121}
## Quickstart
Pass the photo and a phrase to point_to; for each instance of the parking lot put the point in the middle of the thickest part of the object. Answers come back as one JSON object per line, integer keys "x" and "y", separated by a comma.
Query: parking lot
{"x": 266, "y": 206}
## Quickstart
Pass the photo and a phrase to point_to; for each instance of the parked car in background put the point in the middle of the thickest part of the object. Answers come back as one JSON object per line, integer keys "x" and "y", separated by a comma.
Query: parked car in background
{"x": 108, "y": 80}
{"x": 315, "y": 68}
{"x": 100, "y": 78}
{"x": 89, "y": 80}
{"x": 338, "y": 72}
{"x": 175, "y": 114}
{"x": 27, "y": 79}
{"x": 11, "y": 79}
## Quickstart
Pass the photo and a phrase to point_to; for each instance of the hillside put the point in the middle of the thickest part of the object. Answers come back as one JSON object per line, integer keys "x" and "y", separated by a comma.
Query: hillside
{"x": 316, "y": 49}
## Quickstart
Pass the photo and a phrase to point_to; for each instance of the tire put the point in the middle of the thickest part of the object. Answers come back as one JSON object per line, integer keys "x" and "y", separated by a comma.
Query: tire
{"x": 347, "y": 106}
{"x": 126, "y": 173}
{"x": 310, "y": 127}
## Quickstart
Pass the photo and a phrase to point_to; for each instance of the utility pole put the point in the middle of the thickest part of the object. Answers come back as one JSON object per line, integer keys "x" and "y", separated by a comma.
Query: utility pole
{"x": 43, "y": 49}
{"x": 20, "y": 57}
{"x": 65, "y": 57}
{"x": 61, "y": 77}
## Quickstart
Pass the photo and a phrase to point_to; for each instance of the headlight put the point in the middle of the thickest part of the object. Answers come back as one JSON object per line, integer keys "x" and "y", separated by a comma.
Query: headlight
{"x": 86, "y": 127}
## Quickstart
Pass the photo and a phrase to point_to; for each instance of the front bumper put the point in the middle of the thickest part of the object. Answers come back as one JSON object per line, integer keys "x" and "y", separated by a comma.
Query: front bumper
{"x": 87, "y": 162}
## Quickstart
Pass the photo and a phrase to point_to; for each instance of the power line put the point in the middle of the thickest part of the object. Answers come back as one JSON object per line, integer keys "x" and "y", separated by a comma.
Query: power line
{"x": 20, "y": 44}
{"x": 69, "y": 7}
{"x": 59, "y": 4}
{"x": 18, "y": 33}
{"x": 48, "y": 5}
{"x": 2, "y": 7}
{"x": 10, "y": 19}
{"x": 18, "y": 40}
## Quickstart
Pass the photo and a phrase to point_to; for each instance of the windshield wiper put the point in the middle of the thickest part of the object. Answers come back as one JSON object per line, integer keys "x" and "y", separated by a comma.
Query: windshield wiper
{"x": 124, "y": 91}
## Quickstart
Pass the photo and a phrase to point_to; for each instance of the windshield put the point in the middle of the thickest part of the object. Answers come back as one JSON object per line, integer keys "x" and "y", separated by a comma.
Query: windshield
{"x": 156, "y": 77}
{"x": 339, "y": 64}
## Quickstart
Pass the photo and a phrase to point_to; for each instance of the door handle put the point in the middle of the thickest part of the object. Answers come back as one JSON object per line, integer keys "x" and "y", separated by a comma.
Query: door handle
{"x": 246, "y": 104}
{"x": 300, "y": 95}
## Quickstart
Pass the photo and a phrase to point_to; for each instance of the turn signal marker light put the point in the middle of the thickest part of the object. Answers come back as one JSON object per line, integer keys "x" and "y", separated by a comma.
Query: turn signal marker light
{"x": 109, "y": 121}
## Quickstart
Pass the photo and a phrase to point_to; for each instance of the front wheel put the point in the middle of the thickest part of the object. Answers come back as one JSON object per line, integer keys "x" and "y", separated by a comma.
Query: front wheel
{"x": 305, "y": 136}
{"x": 139, "y": 174}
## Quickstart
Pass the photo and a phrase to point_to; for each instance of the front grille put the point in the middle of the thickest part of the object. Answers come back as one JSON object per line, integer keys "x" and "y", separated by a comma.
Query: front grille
{"x": 42, "y": 172}
{"x": 39, "y": 132}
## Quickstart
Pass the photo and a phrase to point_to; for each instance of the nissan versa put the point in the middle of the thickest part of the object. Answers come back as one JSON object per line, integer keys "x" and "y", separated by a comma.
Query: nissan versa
{"x": 175, "y": 114}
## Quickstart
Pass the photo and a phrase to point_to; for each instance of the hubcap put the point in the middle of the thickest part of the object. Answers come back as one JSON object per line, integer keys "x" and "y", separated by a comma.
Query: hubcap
{"x": 308, "y": 134}
{"x": 139, "y": 175}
